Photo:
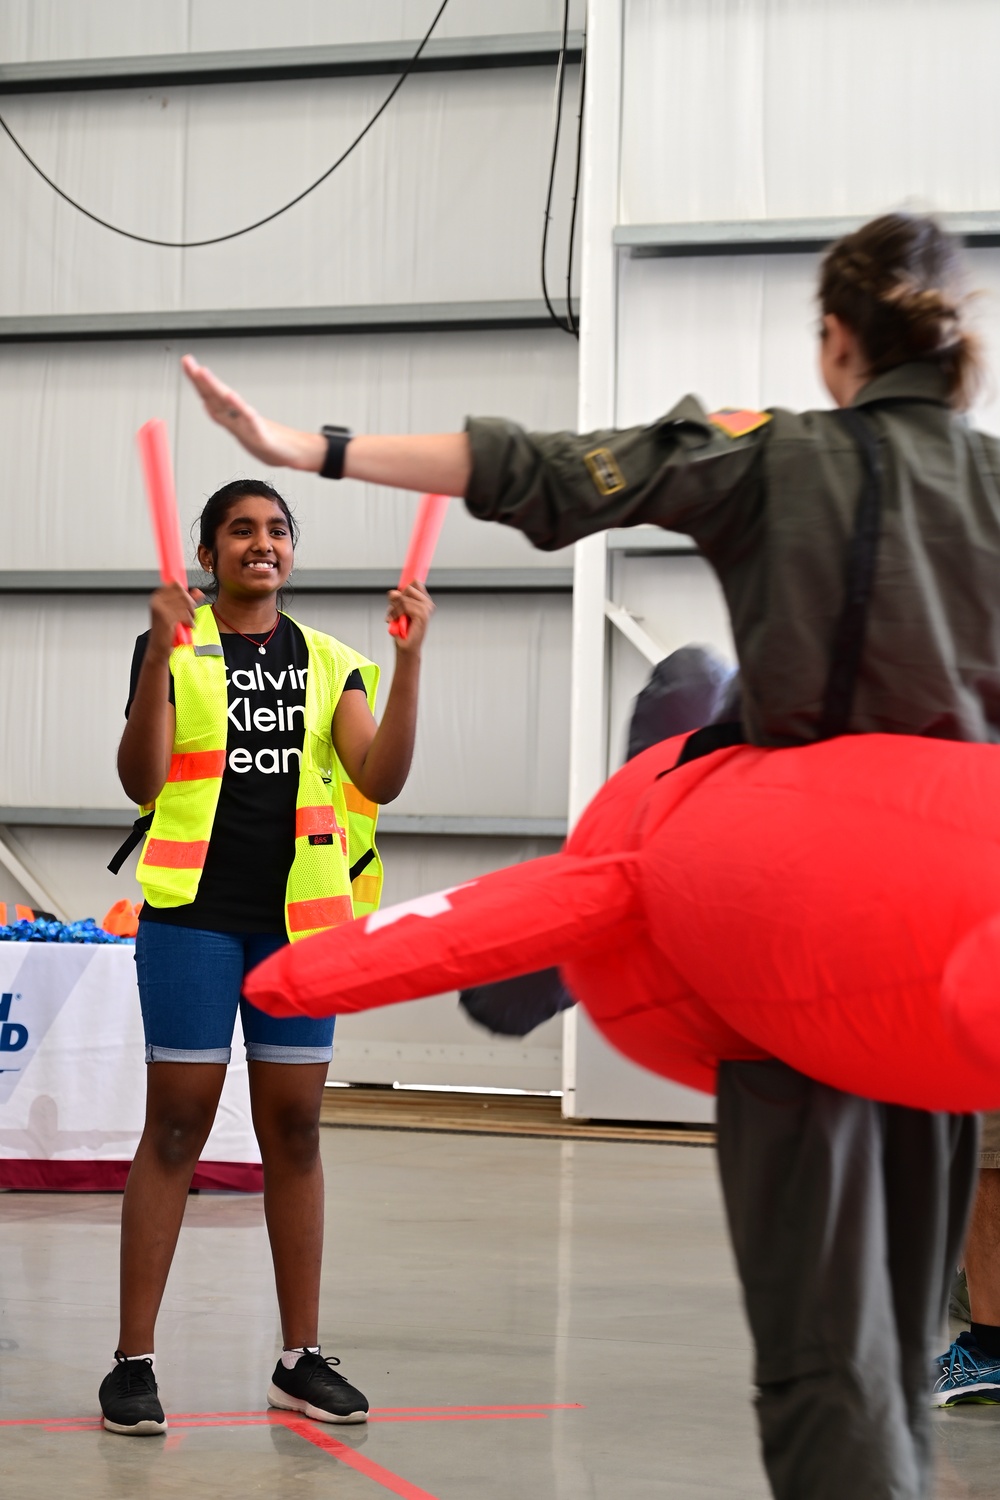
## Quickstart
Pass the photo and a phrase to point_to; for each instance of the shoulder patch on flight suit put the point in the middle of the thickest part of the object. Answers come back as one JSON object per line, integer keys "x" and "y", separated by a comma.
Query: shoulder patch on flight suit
{"x": 604, "y": 471}
{"x": 737, "y": 422}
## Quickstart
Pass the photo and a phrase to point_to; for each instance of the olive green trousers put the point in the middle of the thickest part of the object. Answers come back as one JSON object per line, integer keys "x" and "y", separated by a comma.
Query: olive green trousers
{"x": 847, "y": 1219}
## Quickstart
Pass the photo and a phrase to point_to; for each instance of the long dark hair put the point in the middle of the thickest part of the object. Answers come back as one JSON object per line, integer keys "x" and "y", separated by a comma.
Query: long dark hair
{"x": 218, "y": 506}
{"x": 898, "y": 284}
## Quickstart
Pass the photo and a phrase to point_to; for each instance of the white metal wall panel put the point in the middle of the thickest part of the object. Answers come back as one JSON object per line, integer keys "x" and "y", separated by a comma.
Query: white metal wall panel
{"x": 442, "y": 201}
{"x": 494, "y": 712}
{"x": 741, "y": 331}
{"x": 38, "y": 30}
{"x": 69, "y": 413}
{"x": 71, "y": 865}
{"x": 493, "y": 717}
{"x": 781, "y": 108}
{"x": 679, "y": 603}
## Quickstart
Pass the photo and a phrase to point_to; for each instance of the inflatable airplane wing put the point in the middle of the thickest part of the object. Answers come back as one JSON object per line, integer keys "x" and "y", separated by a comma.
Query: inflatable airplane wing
{"x": 836, "y": 906}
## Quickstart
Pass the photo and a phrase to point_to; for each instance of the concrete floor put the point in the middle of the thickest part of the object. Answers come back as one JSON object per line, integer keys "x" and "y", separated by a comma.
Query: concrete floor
{"x": 461, "y": 1272}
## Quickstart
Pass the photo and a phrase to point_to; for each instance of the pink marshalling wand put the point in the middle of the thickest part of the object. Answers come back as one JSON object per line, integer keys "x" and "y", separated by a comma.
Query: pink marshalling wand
{"x": 154, "y": 453}
{"x": 423, "y": 540}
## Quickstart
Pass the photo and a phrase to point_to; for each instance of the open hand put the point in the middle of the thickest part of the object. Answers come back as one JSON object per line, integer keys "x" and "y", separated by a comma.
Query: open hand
{"x": 271, "y": 442}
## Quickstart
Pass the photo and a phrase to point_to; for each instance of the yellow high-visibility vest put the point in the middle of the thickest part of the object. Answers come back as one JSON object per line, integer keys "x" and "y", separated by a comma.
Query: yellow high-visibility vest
{"x": 334, "y": 823}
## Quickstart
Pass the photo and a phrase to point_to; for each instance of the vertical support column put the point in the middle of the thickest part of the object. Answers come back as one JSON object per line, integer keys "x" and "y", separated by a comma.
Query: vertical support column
{"x": 588, "y": 763}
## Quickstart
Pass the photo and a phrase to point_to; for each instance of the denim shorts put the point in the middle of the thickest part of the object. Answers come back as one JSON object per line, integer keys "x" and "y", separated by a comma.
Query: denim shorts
{"x": 190, "y": 985}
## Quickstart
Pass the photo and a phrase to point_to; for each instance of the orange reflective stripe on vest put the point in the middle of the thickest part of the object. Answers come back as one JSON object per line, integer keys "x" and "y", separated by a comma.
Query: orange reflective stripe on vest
{"x": 310, "y": 821}
{"x": 356, "y": 803}
{"x": 174, "y": 854}
{"x": 328, "y": 911}
{"x": 196, "y": 765}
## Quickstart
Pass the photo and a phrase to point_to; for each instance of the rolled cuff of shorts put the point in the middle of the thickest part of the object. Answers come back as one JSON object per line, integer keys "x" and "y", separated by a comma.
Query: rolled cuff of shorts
{"x": 188, "y": 1054}
{"x": 270, "y": 1052}
{"x": 989, "y": 1145}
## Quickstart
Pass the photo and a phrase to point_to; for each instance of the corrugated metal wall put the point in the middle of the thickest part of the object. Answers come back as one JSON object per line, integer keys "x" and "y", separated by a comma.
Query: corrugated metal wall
{"x": 441, "y": 203}
{"x": 31, "y": 30}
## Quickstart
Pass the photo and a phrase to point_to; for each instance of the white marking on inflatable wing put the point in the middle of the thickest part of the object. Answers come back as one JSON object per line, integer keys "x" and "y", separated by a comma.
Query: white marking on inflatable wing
{"x": 433, "y": 905}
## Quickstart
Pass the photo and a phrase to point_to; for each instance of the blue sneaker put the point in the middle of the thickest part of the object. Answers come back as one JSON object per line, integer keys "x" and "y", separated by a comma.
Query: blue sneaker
{"x": 965, "y": 1373}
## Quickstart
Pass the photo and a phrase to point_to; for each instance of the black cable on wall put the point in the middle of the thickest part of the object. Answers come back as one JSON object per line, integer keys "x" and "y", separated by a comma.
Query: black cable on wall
{"x": 219, "y": 239}
{"x": 569, "y": 323}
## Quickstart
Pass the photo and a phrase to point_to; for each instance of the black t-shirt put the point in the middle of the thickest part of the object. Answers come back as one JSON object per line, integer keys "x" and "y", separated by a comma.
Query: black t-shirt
{"x": 242, "y": 887}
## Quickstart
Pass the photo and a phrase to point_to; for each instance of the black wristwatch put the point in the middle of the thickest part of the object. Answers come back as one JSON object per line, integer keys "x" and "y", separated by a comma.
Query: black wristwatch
{"x": 337, "y": 439}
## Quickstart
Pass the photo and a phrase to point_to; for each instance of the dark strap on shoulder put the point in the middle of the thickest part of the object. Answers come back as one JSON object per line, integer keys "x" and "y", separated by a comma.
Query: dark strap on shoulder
{"x": 862, "y": 556}
{"x": 849, "y": 636}
{"x": 140, "y": 828}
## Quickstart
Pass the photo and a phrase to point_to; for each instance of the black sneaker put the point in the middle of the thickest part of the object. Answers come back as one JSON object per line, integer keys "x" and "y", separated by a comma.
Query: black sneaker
{"x": 128, "y": 1399}
{"x": 315, "y": 1389}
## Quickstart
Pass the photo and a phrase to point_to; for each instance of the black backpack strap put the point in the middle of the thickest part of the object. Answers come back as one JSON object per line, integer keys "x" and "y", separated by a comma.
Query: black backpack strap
{"x": 849, "y": 636}
{"x": 862, "y": 556}
{"x": 361, "y": 864}
{"x": 140, "y": 828}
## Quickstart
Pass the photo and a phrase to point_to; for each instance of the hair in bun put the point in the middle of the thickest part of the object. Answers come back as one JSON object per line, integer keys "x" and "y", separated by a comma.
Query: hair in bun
{"x": 898, "y": 283}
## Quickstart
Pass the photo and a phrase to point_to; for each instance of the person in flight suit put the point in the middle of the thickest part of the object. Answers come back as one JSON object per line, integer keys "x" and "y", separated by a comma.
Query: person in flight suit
{"x": 846, "y": 1215}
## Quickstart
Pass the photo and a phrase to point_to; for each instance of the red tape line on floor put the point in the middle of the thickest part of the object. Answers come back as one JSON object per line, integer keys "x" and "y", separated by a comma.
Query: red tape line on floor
{"x": 366, "y": 1466}
{"x": 256, "y": 1418}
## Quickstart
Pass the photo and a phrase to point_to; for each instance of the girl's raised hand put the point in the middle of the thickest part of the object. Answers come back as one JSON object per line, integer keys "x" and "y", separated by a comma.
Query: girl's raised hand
{"x": 170, "y": 606}
{"x": 271, "y": 442}
{"x": 416, "y": 603}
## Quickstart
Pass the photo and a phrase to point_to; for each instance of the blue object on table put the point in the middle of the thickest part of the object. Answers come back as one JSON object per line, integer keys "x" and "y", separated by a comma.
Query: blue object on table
{"x": 86, "y": 931}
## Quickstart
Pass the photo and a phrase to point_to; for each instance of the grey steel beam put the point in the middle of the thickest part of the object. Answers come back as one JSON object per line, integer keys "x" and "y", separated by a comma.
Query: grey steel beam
{"x": 466, "y": 826}
{"x": 276, "y": 322}
{"x": 649, "y": 541}
{"x": 777, "y": 236}
{"x": 267, "y": 65}
{"x": 427, "y": 825}
{"x": 304, "y": 581}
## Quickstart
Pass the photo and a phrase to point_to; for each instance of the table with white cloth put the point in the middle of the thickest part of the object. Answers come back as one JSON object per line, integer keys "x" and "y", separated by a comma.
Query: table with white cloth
{"x": 72, "y": 1076}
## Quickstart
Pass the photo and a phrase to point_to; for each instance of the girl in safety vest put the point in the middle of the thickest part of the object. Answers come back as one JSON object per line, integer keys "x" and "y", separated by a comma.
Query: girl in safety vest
{"x": 859, "y": 552}
{"x": 255, "y": 755}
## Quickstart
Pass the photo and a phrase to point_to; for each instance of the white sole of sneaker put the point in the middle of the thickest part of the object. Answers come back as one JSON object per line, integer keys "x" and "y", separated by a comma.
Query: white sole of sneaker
{"x": 986, "y": 1394}
{"x": 141, "y": 1429}
{"x": 284, "y": 1402}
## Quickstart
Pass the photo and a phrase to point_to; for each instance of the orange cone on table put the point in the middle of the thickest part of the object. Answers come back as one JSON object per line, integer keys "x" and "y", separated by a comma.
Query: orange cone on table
{"x": 423, "y": 540}
{"x": 122, "y": 920}
{"x": 154, "y": 453}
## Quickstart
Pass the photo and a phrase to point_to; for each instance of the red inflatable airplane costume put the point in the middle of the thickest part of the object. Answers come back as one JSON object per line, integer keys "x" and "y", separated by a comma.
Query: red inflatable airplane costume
{"x": 835, "y": 906}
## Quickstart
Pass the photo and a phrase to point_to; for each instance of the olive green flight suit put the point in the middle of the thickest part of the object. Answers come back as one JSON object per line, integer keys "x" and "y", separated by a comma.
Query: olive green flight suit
{"x": 846, "y": 1215}
{"x": 772, "y": 512}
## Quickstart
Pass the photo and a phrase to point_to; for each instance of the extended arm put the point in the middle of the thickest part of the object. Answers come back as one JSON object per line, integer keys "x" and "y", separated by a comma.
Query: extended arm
{"x": 556, "y": 487}
{"x": 377, "y": 757}
{"x": 440, "y": 462}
